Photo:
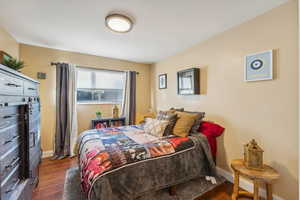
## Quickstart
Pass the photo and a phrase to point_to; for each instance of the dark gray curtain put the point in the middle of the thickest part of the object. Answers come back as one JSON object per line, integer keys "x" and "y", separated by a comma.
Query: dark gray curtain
{"x": 132, "y": 97}
{"x": 62, "y": 134}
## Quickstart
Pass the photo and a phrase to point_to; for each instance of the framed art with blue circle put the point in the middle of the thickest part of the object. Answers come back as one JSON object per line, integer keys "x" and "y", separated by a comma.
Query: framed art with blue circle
{"x": 259, "y": 66}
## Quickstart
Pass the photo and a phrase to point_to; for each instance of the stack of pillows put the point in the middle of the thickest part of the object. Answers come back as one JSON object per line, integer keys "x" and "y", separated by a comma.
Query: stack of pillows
{"x": 174, "y": 122}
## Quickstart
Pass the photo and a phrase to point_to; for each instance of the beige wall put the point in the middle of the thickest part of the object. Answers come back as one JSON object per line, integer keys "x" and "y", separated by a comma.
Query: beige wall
{"x": 8, "y": 43}
{"x": 38, "y": 59}
{"x": 264, "y": 110}
{"x": 298, "y": 95}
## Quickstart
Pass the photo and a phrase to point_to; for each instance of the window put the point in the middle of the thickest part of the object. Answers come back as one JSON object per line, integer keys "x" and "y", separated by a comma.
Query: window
{"x": 100, "y": 86}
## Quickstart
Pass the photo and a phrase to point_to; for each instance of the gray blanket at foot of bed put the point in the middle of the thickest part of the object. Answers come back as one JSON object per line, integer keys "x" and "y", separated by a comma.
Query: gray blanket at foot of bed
{"x": 185, "y": 191}
{"x": 140, "y": 178}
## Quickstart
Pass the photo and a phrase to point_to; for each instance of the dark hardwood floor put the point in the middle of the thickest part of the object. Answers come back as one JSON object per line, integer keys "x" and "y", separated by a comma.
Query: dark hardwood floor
{"x": 51, "y": 179}
{"x": 52, "y": 175}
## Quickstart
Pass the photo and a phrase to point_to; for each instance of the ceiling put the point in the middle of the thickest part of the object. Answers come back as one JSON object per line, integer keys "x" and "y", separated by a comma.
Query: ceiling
{"x": 162, "y": 27}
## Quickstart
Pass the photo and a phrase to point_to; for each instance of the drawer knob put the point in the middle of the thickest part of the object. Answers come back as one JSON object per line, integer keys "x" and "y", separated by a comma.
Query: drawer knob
{"x": 9, "y": 141}
{"x": 8, "y": 116}
{"x": 13, "y": 162}
{"x": 12, "y": 85}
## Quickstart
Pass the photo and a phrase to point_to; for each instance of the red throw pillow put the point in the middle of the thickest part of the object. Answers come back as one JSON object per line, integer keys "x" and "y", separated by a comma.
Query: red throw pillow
{"x": 211, "y": 129}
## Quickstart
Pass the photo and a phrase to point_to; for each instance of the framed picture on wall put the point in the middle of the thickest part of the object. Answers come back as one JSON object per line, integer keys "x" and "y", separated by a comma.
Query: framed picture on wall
{"x": 259, "y": 66}
{"x": 162, "y": 81}
{"x": 188, "y": 82}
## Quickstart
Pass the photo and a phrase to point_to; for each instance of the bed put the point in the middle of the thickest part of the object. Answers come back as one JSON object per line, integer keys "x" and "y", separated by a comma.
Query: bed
{"x": 126, "y": 163}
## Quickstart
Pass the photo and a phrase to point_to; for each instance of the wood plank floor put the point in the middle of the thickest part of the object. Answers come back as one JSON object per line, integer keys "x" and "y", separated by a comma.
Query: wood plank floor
{"x": 52, "y": 175}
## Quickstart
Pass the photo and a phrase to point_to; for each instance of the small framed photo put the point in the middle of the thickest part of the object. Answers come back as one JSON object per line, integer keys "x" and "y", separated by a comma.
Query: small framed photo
{"x": 259, "y": 66}
{"x": 162, "y": 81}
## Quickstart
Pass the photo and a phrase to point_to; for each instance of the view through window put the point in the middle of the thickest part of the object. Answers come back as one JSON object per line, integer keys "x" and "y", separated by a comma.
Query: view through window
{"x": 100, "y": 86}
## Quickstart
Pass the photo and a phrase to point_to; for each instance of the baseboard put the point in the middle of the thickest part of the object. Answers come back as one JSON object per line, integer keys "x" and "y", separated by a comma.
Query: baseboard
{"x": 245, "y": 184}
{"x": 47, "y": 154}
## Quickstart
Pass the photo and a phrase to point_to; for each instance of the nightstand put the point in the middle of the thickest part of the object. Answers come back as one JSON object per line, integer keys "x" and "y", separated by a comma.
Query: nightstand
{"x": 266, "y": 176}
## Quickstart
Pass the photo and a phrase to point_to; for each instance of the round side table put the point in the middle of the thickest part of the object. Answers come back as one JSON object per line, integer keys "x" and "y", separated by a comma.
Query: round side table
{"x": 266, "y": 176}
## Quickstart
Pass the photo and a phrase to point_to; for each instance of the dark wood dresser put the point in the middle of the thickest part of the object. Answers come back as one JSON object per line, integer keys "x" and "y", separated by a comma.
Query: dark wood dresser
{"x": 20, "y": 151}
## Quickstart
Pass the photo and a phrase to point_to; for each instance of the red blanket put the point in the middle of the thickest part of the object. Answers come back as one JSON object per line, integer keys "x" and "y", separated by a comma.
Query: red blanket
{"x": 211, "y": 131}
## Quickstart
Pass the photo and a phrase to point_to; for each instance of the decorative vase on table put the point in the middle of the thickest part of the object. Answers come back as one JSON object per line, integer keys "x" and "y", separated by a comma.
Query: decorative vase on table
{"x": 115, "y": 112}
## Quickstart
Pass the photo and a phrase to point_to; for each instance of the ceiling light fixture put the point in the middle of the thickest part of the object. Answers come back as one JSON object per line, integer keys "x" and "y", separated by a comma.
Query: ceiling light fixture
{"x": 118, "y": 23}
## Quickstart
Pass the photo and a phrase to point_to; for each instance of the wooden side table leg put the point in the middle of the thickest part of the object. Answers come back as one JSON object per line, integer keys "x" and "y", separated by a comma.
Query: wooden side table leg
{"x": 256, "y": 190}
{"x": 269, "y": 191}
{"x": 236, "y": 185}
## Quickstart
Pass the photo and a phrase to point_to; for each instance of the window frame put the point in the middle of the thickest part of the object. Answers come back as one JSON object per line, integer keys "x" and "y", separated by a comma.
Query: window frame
{"x": 93, "y": 83}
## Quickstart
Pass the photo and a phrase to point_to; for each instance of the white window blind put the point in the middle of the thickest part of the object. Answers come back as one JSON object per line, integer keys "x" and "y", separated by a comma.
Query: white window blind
{"x": 100, "y": 86}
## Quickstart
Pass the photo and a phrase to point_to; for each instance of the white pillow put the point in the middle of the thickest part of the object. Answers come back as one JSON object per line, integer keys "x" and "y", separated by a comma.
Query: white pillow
{"x": 155, "y": 127}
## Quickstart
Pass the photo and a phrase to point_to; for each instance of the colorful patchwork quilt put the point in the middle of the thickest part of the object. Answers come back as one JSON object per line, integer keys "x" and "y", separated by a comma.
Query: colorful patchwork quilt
{"x": 105, "y": 152}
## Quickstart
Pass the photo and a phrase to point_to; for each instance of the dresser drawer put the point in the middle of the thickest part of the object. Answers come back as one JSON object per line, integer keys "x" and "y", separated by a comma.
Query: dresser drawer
{"x": 11, "y": 100}
{"x": 30, "y": 89}
{"x": 9, "y": 116}
{"x": 10, "y": 184}
{"x": 9, "y": 110}
{"x": 9, "y": 161}
{"x": 10, "y": 85}
{"x": 10, "y": 138}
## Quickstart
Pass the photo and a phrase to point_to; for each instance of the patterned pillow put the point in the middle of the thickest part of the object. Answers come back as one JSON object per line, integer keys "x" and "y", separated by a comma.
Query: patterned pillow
{"x": 155, "y": 127}
{"x": 198, "y": 120}
{"x": 169, "y": 116}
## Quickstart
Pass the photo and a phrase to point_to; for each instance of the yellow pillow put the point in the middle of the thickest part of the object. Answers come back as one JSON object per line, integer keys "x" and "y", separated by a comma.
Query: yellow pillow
{"x": 184, "y": 124}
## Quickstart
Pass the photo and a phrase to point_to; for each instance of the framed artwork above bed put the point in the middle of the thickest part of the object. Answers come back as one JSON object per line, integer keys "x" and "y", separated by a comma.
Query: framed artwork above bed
{"x": 162, "y": 81}
{"x": 188, "y": 82}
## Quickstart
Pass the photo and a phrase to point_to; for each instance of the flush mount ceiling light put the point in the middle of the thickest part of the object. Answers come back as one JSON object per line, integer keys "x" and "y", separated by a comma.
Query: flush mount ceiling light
{"x": 118, "y": 23}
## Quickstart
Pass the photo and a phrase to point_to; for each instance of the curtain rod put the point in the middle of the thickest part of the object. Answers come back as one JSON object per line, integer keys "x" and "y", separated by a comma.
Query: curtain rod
{"x": 57, "y": 63}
